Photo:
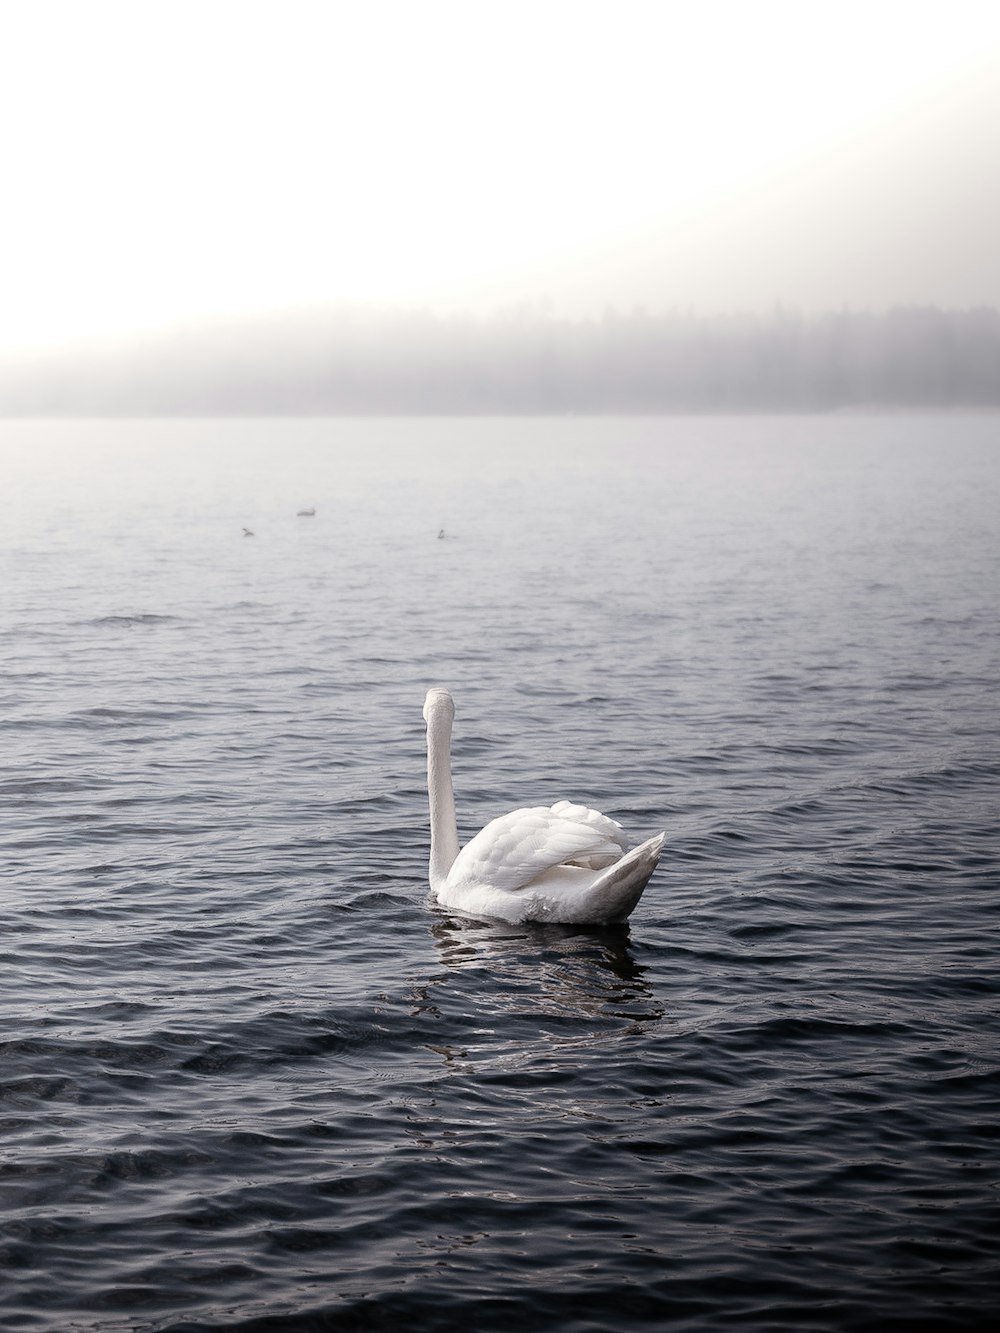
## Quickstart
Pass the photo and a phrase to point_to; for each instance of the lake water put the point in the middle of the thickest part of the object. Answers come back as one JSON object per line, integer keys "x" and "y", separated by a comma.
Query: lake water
{"x": 250, "y": 1079}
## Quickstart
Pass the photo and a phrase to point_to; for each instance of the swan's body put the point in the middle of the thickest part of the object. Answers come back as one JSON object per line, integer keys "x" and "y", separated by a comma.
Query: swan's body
{"x": 560, "y": 863}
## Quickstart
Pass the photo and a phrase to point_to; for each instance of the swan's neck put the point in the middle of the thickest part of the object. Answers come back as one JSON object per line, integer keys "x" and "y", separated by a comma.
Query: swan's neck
{"x": 441, "y": 796}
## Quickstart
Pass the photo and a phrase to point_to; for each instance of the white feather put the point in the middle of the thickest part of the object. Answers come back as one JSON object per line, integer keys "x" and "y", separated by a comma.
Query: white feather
{"x": 560, "y": 863}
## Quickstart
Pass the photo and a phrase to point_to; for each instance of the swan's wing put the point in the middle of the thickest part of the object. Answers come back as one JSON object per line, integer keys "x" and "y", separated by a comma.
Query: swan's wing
{"x": 613, "y": 844}
{"x": 512, "y": 851}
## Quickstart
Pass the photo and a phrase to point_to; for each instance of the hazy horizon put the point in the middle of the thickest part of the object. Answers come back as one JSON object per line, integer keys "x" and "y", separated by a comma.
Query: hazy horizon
{"x": 363, "y": 362}
{"x": 169, "y": 165}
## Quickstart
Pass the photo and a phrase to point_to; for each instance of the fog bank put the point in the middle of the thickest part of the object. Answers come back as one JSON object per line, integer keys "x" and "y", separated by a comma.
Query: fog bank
{"x": 526, "y": 361}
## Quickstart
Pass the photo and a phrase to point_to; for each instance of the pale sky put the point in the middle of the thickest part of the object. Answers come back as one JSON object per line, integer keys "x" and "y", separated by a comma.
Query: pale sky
{"x": 165, "y": 160}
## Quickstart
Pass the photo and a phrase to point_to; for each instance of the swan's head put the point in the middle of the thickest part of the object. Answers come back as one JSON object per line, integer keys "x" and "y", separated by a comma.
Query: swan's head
{"x": 438, "y": 703}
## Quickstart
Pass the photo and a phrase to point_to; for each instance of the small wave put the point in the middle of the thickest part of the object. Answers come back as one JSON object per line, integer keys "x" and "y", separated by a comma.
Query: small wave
{"x": 142, "y": 618}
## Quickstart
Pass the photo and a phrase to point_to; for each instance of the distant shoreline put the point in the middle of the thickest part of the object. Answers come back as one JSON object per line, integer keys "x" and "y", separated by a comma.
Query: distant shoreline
{"x": 666, "y": 414}
{"x": 343, "y": 363}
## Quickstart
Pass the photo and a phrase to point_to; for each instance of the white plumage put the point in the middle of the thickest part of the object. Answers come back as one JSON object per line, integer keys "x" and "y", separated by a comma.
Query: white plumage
{"x": 560, "y": 863}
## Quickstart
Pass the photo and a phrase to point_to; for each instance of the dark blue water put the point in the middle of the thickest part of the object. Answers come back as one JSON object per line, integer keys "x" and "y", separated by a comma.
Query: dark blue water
{"x": 250, "y": 1080}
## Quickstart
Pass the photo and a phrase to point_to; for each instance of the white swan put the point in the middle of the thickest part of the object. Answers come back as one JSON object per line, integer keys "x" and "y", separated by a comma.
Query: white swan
{"x": 560, "y": 863}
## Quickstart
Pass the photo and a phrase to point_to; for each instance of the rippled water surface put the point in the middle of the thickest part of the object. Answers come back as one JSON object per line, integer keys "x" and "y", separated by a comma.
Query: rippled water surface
{"x": 250, "y": 1079}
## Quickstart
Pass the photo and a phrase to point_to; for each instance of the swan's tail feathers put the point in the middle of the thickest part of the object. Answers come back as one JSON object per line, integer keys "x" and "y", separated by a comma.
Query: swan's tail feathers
{"x": 612, "y": 897}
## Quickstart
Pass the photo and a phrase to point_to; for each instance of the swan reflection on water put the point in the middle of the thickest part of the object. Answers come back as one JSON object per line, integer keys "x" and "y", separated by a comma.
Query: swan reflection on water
{"x": 548, "y": 972}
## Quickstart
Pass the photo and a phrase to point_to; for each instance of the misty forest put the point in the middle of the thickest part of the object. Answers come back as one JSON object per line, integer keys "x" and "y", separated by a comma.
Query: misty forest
{"x": 526, "y": 360}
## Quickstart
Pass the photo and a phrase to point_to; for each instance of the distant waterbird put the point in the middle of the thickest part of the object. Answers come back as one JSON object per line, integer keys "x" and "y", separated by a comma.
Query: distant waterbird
{"x": 305, "y": 513}
{"x": 561, "y": 863}
{"x": 248, "y": 533}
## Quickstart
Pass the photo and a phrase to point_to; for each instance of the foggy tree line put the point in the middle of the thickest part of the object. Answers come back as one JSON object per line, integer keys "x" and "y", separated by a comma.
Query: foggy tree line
{"x": 528, "y": 361}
